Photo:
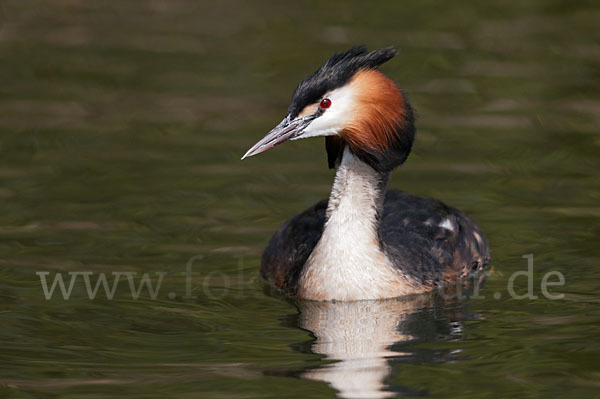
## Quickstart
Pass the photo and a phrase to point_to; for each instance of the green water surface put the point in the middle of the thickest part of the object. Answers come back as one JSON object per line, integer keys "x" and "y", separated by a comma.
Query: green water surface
{"x": 122, "y": 124}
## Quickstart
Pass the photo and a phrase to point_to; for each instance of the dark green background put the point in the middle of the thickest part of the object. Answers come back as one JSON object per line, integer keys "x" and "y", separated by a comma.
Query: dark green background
{"x": 121, "y": 128}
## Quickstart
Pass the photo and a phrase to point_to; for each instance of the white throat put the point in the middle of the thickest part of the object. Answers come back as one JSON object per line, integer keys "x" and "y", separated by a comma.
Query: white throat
{"x": 348, "y": 262}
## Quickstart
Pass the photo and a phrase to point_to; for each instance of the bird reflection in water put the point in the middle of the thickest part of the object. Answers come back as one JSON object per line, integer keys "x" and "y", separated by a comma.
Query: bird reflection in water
{"x": 363, "y": 338}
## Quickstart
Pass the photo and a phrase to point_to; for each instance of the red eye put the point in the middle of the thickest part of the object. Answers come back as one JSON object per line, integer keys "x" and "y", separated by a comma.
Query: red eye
{"x": 325, "y": 103}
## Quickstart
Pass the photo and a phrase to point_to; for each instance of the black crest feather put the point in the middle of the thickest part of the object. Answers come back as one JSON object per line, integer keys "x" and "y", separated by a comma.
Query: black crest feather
{"x": 336, "y": 72}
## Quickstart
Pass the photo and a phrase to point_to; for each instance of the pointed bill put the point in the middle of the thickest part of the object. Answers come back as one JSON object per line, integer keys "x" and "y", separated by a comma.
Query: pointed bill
{"x": 287, "y": 129}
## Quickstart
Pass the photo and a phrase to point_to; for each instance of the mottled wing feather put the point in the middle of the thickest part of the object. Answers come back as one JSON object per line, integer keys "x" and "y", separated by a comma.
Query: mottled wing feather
{"x": 411, "y": 235}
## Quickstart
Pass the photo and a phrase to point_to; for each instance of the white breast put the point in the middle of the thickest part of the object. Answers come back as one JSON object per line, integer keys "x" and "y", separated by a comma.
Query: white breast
{"x": 347, "y": 262}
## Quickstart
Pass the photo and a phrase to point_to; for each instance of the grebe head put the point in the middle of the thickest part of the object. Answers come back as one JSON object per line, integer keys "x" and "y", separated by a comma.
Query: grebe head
{"x": 353, "y": 104}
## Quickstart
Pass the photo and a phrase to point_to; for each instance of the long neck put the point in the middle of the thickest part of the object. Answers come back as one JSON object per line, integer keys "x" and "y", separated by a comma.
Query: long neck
{"x": 357, "y": 195}
{"x": 348, "y": 263}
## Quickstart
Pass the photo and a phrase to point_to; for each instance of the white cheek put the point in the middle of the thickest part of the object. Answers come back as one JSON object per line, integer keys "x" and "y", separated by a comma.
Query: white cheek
{"x": 335, "y": 117}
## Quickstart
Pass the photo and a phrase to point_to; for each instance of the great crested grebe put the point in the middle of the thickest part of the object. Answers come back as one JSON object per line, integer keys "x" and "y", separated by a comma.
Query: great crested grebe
{"x": 364, "y": 242}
